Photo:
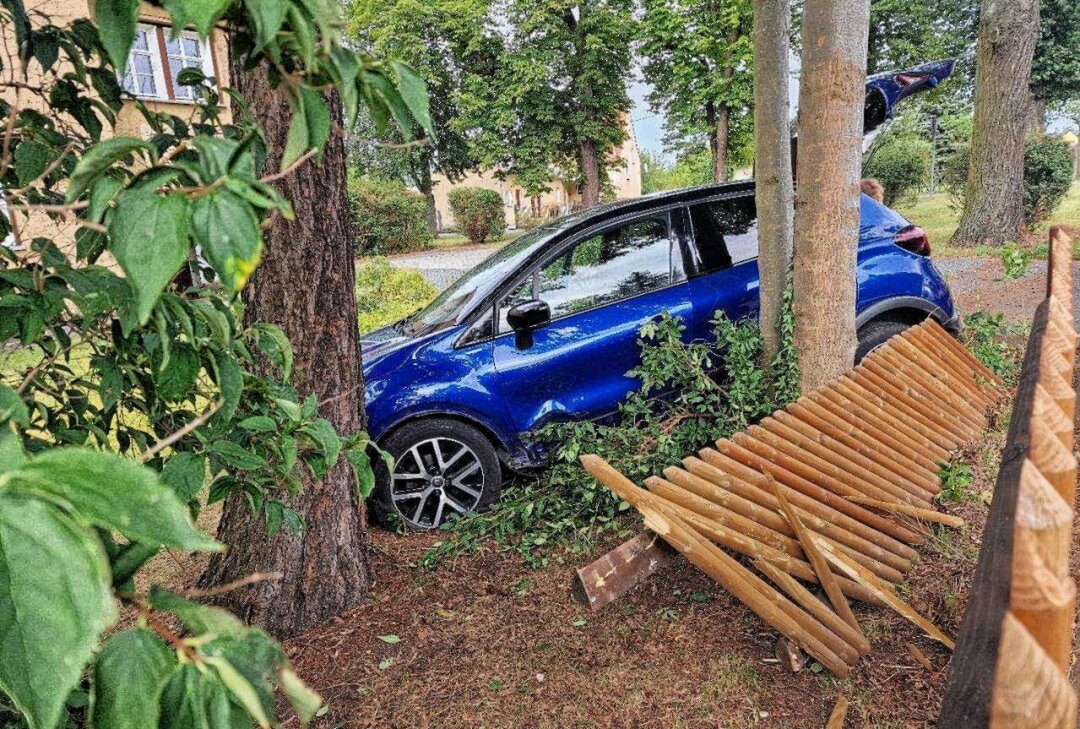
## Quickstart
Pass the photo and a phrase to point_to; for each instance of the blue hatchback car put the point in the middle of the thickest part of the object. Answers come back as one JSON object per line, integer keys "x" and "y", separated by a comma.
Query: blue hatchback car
{"x": 546, "y": 328}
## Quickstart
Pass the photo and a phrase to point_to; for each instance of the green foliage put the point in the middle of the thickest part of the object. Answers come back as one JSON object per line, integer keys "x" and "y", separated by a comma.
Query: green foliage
{"x": 689, "y": 170}
{"x": 478, "y": 213}
{"x": 390, "y": 218}
{"x": 996, "y": 343}
{"x": 1055, "y": 69}
{"x": 135, "y": 399}
{"x": 386, "y": 294}
{"x": 550, "y": 80}
{"x": 708, "y": 392}
{"x": 1015, "y": 260}
{"x": 1048, "y": 174}
{"x": 956, "y": 478}
{"x": 698, "y": 59}
{"x": 901, "y": 165}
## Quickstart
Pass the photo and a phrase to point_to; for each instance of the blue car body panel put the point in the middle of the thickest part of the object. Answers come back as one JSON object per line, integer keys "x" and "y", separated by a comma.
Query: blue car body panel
{"x": 577, "y": 364}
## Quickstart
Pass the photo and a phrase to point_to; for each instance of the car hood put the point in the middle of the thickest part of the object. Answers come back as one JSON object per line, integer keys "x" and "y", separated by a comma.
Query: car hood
{"x": 376, "y": 346}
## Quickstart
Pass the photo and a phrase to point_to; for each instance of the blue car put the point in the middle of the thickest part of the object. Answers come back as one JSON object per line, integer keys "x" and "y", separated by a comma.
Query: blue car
{"x": 546, "y": 328}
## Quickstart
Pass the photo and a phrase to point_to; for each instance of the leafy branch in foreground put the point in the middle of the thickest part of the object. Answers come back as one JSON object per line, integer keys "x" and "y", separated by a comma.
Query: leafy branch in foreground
{"x": 690, "y": 395}
{"x": 130, "y": 400}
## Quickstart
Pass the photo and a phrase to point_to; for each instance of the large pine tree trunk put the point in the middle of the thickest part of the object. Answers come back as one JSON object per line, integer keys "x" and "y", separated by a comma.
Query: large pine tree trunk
{"x": 772, "y": 163}
{"x": 834, "y": 37}
{"x": 590, "y": 171}
{"x": 305, "y": 285}
{"x": 993, "y": 198}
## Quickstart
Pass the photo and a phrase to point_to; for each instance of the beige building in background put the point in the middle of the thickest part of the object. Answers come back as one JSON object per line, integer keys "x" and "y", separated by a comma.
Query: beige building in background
{"x": 561, "y": 196}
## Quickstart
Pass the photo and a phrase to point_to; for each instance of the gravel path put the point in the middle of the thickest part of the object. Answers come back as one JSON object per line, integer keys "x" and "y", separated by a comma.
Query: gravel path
{"x": 443, "y": 266}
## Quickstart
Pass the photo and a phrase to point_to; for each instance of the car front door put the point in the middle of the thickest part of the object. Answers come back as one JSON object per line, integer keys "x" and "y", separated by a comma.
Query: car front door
{"x": 601, "y": 288}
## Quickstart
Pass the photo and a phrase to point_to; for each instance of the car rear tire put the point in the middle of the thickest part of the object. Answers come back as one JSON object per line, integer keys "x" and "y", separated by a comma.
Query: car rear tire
{"x": 442, "y": 467}
{"x": 875, "y": 333}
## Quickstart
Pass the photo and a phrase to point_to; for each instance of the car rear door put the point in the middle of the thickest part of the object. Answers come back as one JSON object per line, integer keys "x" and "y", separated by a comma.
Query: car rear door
{"x": 723, "y": 249}
{"x": 601, "y": 286}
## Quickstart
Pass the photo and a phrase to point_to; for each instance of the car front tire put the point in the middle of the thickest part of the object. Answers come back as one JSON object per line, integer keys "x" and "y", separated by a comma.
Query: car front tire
{"x": 875, "y": 333}
{"x": 442, "y": 468}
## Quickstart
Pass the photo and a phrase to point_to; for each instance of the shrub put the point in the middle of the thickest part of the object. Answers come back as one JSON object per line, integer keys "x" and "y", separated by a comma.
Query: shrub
{"x": 1048, "y": 174}
{"x": 902, "y": 165}
{"x": 478, "y": 212}
{"x": 386, "y": 294}
{"x": 390, "y": 218}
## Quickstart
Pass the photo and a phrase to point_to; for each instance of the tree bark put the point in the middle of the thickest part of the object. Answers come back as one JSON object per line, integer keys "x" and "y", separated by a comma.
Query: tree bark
{"x": 774, "y": 193}
{"x": 719, "y": 119}
{"x": 426, "y": 186}
{"x": 993, "y": 197}
{"x": 590, "y": 170}
{"x": 305, "y": 284}
{"x": 834, "y": 38}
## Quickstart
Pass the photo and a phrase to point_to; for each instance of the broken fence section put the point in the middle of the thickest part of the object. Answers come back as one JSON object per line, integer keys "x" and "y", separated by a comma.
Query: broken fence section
{"x": 1011, "y": 666}
{"x": 836, "y": 490}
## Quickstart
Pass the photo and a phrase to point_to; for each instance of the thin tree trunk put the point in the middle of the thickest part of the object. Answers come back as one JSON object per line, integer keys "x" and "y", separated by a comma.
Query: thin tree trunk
{"x": 1037, "y": 117}
{"x": 305, "y": 285}
{"x": 772, "y": 163}
{"x": 590, "y": 170}
{"x": 719, "y": 143}
{"x": 831, "y": 97}
{"x": 426, "y": 186}
{"x": 993, "y": 198}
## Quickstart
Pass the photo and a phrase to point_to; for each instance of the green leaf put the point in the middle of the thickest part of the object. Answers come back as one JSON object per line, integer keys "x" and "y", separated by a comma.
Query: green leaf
{"x": 240, "y": 688}
{"x": 318, "y": 119}
{"x": 31, "y": 159}
{"x": 57, "y": 599}
{"x": 177, "y": 379}
{"x": 148, "y": 234}
{"x": 325, "y": 438}
{"x": 116, "y": 20}
{"x": 414, "y": 93}
{"x": 12, "y": 407}
{"x": 11, "y": 450}
{"x": 275, "y": 345}
{"x": 228, "y": 230}
{"x": 267, "y": 15}
{"x": 129, "y": 675}
{"x": 185, "y": 474}
{"x": 111, "y": 492}
{"x": 230, "y": 382}
{"x": 200, "y": 13}
{"x": 390, "y": 639}
{"x": 296, "y": 143}
{"x": 259, "y": 424}
{"x": 360, "y": 463}
{"x": 236, "y": 455}
{"x": 198, "y": 618}
{"x": 303, "y": 699}
{"x": 98, "y": 159}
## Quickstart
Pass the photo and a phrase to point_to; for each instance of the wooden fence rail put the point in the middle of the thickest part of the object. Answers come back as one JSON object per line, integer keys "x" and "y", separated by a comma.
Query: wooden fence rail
{"x": 1010, "y": 668}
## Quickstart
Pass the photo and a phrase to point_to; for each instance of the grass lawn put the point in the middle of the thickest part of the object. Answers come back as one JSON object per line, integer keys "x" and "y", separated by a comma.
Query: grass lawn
{"x": 934, "y": 214}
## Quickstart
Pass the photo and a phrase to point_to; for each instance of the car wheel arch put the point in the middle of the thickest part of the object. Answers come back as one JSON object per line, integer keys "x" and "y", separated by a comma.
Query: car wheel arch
{"x": 500, "y": 445}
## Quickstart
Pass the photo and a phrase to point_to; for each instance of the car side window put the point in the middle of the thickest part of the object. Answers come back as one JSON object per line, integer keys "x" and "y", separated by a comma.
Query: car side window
{"x": 618, "y": 263}
{"x": 725, "y": 232}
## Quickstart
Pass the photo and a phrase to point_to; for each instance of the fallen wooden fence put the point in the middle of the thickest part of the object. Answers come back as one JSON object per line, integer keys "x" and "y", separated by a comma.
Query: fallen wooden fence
{"x": 834, "y": 490}
{"x": 1010, "y": 669}
{"x": 857, "y": 460}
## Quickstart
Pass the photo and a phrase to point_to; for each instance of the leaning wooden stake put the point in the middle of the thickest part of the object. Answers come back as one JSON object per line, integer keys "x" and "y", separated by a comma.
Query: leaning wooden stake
{"x": 839, "y": 713}
{"x": 860, "y": 574}
{"x": 821, "y": 566}
{"x": 921, "y": 514}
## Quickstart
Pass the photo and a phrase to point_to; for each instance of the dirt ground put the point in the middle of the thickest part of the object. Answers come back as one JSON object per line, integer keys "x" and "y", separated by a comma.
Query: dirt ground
{"x": 488, "y": 642}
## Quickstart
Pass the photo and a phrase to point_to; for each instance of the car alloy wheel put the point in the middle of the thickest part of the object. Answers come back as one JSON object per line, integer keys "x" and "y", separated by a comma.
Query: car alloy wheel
{"x": 435, "y": 478}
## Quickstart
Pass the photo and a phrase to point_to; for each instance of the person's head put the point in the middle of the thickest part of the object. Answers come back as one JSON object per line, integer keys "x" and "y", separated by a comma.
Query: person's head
{"x": 873, "y": 188}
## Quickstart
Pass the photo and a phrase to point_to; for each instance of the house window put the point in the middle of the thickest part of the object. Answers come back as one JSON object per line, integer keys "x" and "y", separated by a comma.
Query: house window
{"x": 157, "y": 58}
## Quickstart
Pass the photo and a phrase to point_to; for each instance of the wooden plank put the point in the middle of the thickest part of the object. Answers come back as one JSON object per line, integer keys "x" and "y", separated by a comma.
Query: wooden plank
{"x": 612, "y": 575}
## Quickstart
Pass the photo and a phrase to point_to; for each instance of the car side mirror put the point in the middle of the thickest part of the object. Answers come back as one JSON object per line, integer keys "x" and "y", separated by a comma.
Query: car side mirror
{"x": 526, "y": 318}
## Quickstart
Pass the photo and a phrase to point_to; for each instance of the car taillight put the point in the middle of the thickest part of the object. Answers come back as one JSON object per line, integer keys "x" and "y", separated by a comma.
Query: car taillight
{"x": 913, "y": 238}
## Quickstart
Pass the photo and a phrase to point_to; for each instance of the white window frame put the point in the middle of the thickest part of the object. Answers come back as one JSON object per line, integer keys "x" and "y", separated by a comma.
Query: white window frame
{"x": 161, "y": 65}
{"x": 153, "y": 51}
{"x": 206, "y": 62}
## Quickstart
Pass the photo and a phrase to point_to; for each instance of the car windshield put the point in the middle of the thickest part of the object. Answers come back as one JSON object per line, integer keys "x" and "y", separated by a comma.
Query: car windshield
{"x": 458, "y": 301}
